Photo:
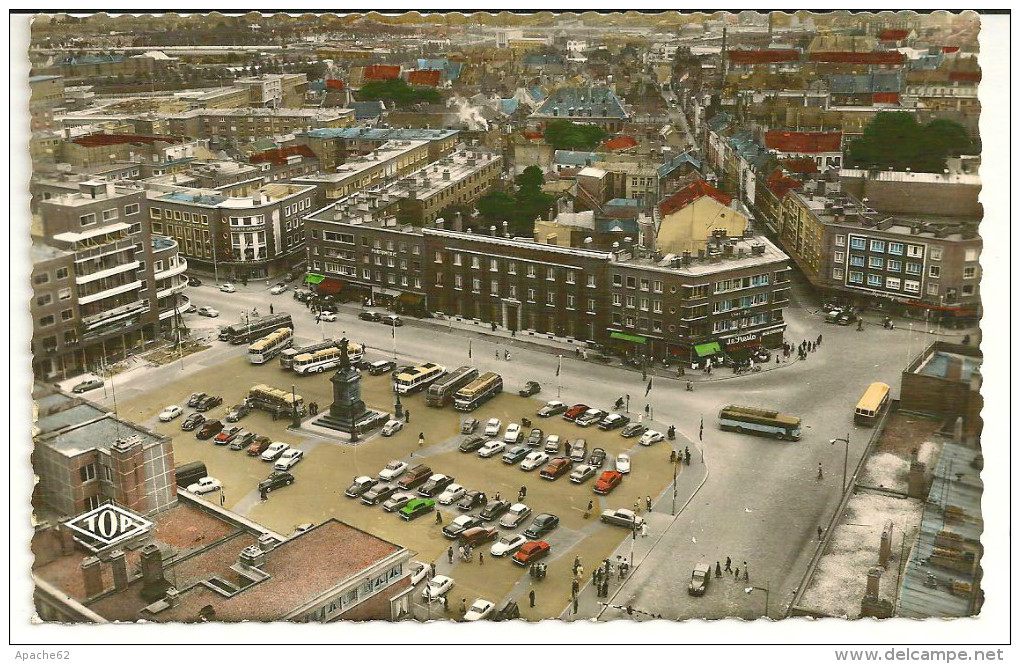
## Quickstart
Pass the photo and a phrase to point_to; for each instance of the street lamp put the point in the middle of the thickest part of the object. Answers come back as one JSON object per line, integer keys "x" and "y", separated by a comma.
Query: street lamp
{"x": 846, "y": 455}
{"x": 751, "y": 589}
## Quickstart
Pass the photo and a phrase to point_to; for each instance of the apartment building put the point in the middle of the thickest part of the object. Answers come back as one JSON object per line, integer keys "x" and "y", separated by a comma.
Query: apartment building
{"x": 335, "y": 146}
{"x": 587, "y": 105}
{"x": 104, "y": 282}
{"x": 390, "y": 160}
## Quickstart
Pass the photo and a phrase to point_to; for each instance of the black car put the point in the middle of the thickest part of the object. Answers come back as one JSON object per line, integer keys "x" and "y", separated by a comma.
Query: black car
{"x": 472, "y": 444}
{"x": 194, "y": 281}
{"x": 455, "y": 529}
{"x": 193, "y": 421}
{"x": 276, "y": 480}
{"x": 614, "y": 421}
{"x": 633, "y": 430}
{"x": 372, "y": 316}
{"x": 195, "y": 398}
{"x": 530, "y": 388}
{"x": 535, "y": 438}
{"x": 380, "y": 367}
{"x": 208, "y": 403}
{"x": 392, "y": 320}
{"x": 243, "y": 440}
{"x": 434, "y": 487}
{"x": 378, "y": 494}
{"x": 238, "y": 411}
{"x": 509, "y": 611}
{"x": 471, "y": 500}
{"x": 597, "y": 458}
{"x": 330, "y": 307}
{"x": 542, "y": 524}
{"x": 494, "y": 510}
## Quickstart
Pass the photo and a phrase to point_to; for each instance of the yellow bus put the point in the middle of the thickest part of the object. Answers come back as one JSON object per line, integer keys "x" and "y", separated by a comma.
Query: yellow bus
{"x": 760, "y": 421}
{"x": 418, "y": 378}
{"x": 871, "y": 405}
{"x": 270, "y": 345}
{"x": 478, "y": 392}
{"x": 327, "y": 358}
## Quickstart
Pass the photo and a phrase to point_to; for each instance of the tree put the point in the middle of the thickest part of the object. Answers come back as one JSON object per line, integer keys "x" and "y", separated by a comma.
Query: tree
{"x": 895, "y": 140}
{"x": 566, "y": 135}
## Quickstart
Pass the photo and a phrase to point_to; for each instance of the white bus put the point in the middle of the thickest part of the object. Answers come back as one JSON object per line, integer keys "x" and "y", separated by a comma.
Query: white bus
{"x": 327, "y": 358}
{"x": 288, "y": 355}
{"x": 478, "y": 392}
{"x": 270, "y": 345}
{"x": 418, "y": 378}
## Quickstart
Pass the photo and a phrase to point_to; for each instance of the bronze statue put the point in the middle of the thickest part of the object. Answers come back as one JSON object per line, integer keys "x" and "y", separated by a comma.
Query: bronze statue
{"x": 345, "y": 360}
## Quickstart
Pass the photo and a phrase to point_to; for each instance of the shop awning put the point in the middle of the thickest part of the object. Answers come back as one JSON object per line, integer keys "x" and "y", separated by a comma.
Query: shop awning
{"x": 385, "y": 291}
{"x": 330, "y": 286}
{"x": 412, "y": 299}
{"x": 622, "y": 336}
{"x": 704, "y": 350}
{"x": 312, "y": 278}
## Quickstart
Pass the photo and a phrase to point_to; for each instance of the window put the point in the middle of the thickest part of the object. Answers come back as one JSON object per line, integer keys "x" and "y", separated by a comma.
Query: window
{"x": 87, "y": 472}
{"x": 570, "y": 302}
{"x": 511, "y": 267}
{"x": 43, "y": 300}
{"x": 111, "y": 214}
{"x": 631, "y": 282}
{"x": 968, "y": 289}
{"x": 591, "y": 305}
{"x": 892, "y": 283}
{"x": 591, "y": 281}
{"x": 66, "y": 314}
{"x": 657, "y": 287}
{"x": 64, "y": 294}
{"x": 878, "y": 246}
{"x": 856, "y": 277}
{"x": 656, "y": 326}
{"x": 571, "y": 276}
{"x": 550, "y": 274}
{"x": 476, "y": 285}
{"x": 857, "y": 261}
{"x": 933, "y": 289}
{"x": 840, "y": 240}
{"x": 458, "y": 281}
{"x": 913, "y": 268}
{"x": 365, "y": 273}
{"x": 970, "y": 255}
{"x": 617, "y": 319}
{"x": 857, "y": 243}
{"x": 550, "y": 299}
{"x": 493, "y": 265}
{"x": 474, "y": 263}
{"x": 934, "y": 271}
{"x": 531, "y": 271}
{"x": 531, "y": 295}
{"x": 155, "y": 213}
{"x": 912, "y": 286}
{"x": 876, "y": 263}
{"x": 969, "y": 272}
{"x": 644, "y": 284}
{"x": 643, "y": 304}
{"x": 839, "y": 257}
{"x": 935, "y": 254}
{"x": 657, "y": 306}
{"x": 874, "y": 280}
{"x": 46, "y": 321}
{"x": 87, "y": 219}
{"x": 837, "y": 273}
{"x": 617, "y": 300}
{"x": 915, "y": 250}
{"x": 512, "y": 291}
{"x": 439, "y": 257}
{"x": 894, "y": 265}
{"x": 630, "y": 301}
{"x": 896, "y": 248}
{"x": 629, "y": 321}
{"x": 494, "y": 287}
{"x": 617, "y": 280}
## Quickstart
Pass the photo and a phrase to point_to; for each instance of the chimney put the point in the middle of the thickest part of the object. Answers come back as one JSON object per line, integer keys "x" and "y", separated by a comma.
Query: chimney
{"x": 66, "y": 540}
{"x": 885, "y": 545}
{"x": 458, "y": 224}
{"x": 874, "y": 575}
{"x": 552, "y": 213}
{"x": 267, "y": 543}
{"x": 506, "y": 229}
{"x": 446, "y": 174}
{"x": 172, "y": 595}
{"x": 686, "y": 258}
{"x": 492, "y": 231}
{"x": 439, "y": 222}
{"x": 120, "y": 573}
{"x": 252, "y": 556}
{"x": 154, "y": 584}
{"x": 551, "y": 238}
{"x": 92, "y": 574}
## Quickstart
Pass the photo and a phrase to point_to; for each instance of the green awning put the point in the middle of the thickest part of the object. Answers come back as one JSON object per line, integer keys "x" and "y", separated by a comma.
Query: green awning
{"x": 711, "y": 348}
{"x": 313, "y": 278}
{"x": 627, "y": 337}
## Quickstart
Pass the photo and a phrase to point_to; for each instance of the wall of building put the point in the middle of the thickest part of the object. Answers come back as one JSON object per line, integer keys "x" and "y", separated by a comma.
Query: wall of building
{"x": 377, "y": 607}
{"x": 922, "y": 198}
{"x": 688, "y": 228}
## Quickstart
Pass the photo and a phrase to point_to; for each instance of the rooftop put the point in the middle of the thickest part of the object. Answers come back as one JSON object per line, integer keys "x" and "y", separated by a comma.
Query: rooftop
{"x": 352, "y": 168}
{"x": 752, "y": 251}
{"x": 598, "y": 102}
{"x": 87, "y": 427}
{"x": 382, "y": 134}
{"x": 691, "y": 193}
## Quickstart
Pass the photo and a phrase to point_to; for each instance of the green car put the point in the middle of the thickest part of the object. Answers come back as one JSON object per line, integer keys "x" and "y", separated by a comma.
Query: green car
{"x": 416, "y": 508}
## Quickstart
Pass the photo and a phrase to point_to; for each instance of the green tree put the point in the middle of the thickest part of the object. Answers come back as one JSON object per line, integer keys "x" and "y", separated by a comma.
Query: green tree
{"x": 896, "y": 140}
{"x": 567, "y": 135}
{"x": 398, "y": 92}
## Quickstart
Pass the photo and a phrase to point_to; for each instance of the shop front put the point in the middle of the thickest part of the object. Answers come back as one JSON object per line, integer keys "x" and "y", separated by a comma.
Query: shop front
{"x": 628, "y": 345}
{"x": 411, "y": 304}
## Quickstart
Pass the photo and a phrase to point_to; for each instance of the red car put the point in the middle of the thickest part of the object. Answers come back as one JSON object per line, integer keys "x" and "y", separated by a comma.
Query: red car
{"x": 607, "y": 481}
{"x": 479, "y": 535}
{"x": 556, "y": 467}
{"x": 574, "y": 411}
{"x": 530, "y": 552}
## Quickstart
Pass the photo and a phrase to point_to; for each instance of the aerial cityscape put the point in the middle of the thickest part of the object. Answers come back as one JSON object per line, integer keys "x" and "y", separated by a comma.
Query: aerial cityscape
{"x": 496, "y": 317}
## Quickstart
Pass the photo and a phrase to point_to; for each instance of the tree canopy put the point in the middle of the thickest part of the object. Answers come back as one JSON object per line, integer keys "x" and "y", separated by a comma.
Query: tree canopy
{"x": 399, "y": 92}
{"x": 520, "y": 208}
{"x": 567, "y": 135}
{"x": 897, "y": 140}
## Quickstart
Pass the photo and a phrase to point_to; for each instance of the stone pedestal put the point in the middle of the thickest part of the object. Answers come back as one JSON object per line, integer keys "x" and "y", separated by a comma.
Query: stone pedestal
{"x": 347, "y": 413}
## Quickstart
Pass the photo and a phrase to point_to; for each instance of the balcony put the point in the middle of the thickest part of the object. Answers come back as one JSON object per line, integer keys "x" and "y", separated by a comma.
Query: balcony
{"x": 180, "y": 268}
{"x": 112, "y": 315}
{"x": 174, "y": 288}
{"x": 108, "y": 272}
{"x": 161, "y": 244}
{"x": 182, "y": 304}
{"x": 110, "y": 292}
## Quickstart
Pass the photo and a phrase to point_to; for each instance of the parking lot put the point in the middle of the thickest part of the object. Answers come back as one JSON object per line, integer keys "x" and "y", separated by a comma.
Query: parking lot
{"x": 330, "y": 464}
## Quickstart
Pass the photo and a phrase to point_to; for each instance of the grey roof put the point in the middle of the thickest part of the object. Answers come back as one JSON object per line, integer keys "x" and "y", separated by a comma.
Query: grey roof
{"x": 367, "y": 110}
{"x": 76, "y": 430}
{"x": 75, "y": 415}
{"x": 865, "y": 83}
{"x": 678, "y": 161}
{"x": 382, "y": 134}
{"x": 598, "y": 101}
{"x": 575, "y": 157}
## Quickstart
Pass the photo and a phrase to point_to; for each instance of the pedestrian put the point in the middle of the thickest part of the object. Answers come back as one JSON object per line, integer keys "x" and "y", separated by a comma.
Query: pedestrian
{"x": 263, "y": 494}
{"x": 531, "y": 597}
{"x": 442, "y": 600}
{"x": 460, "y": 550}
{"x": 577, "y": 352}
{"x": 648, "y": 503}
{"x": 507, "y": 356}
{"x": 819, "y": 341}
{"x": 577, "y": 563}
{"x": 819, "y": 470}
{"x": 710, "y": 369}
{"x": 449, "y": 555}
{"x": 463, "y": 605}
{"x": 687, "y": 455}
{"x": 819, "y": 533}
{"x": 672, "y": 456}
{"x": 497, "y": 353}
{"x": 523, "y": 492}
{"x": 270, "y": 310}
{"x": 274, "y": 415}
{"x": 718, "y": 572}
{"x": 496, "y": 497}
{"x": 223, "y": 498}
{"x": 432, "y": 570}
{"x": 574, "y": 587}
{"x": 481, "y": 558}
{"x": 439, "y": 518}
{"x": 591, "y": 504}
{"x": 681, "y": 370}
{"x": 777, "y": 358}
{"x": 690, "y": 386}
{"x": 407, "y": 415}
{"x": 647, "y": 409}
{"x": 745, "y": 572}
{"x": 605, "y": 587}
{"x": 637, "y": 505}
{"x": 421, "y": 439}
{"x": 644, "y": 529}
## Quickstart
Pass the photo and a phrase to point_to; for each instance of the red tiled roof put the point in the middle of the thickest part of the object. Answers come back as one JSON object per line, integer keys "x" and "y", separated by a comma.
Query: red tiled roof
{"x": 424, "y": 77}
{"x": 335, "y": 84}
{"x": 382, "y": 72}
{"x": 620, "y": 143}
{"x": 762, "y": 57}
{"x": 279, "y": 156}
{"x": 803, "y": 165}
{"x": 950, "y": 49}
{"x": 869, "y": 58}
{"x": 689, "y": 194}
{"x": 802, "y": 141}
{"x": 97, "y": 140}
{"x": 885, "y": 98}
{"x": 532, "y": 134}
{"x": 971, "y": 76}
{"x": 893, "y": 35}
{"x": 779, "y": 183}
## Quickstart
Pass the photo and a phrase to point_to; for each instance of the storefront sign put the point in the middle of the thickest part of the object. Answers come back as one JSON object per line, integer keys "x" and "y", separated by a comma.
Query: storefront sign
{"x": 741, "y": 341}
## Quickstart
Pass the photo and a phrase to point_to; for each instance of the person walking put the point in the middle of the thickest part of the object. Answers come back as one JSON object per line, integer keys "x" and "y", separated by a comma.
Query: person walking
{"x": 644, "y": 529}
{"x": 407, "y": 415}
{"x": 263, "y": 494}
{"x": 672, "y": 456}
{"x": 531, "y": 597}
{"x": 648, "y": 503}
{"x": 432, "y": 570}
{"x": 728, "y": 564}
{"x": 718, "y": 572}
{"x": 574, "y": 587}
{"x": 820, "y": 531}
{"x": 439, "y": 518}
{"x": 687, "y": 455}
{"x": 819, "y": 470}
{"x": 449, "y": 555}
{"x": 745, "y": 570}
{"x": 463, "y": 606}
{"x": 522, "y": 494}
{"x": 819, "y": 340}
{"x": 637, "y": 505}
{"x": 506, "y": 355}
{"x": 421, "y": 439}
{"x": 223, "y": 498}
{"x": 496, "y": 497}
{"x": 481, "y": 558}
{"x": 591, "y": 504}
{"x": 497, "y": 353}
{"x": 270, "y": 310}
{"x": 647, "y": 410}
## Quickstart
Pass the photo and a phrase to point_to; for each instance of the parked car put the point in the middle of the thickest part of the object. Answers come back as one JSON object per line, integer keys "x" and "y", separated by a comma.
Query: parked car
{"x": 190, "y": 309}
{"x": 613, "y": 421}
{"x": 623, "y": 463}
{"x": 478, "y": 535}
{"x": 435, "y": 485}
{"x": 87, "y": 384}
{"x": 415, "y": 477}
{"x": 208, "y": 403}
{"x": 494, "y": 510}
{"x": 472, "y": 444}
{"x": 552, "y": 444}
{"x": 512, "y": 434}
{"x": 258, "y": 446}
{"x": 276, "y": 479}
{"x": 360, "y": 485}
{"x": 391, "y": 427}
{"x": 170, "y": 412}
{"x": 515, "y": 454}
{"x": 302, "y": 294}
{"x": 575, "y": 411}
{"x": 699, "y": 580}
{"x": 419, "y": 572}
{"x": 841, "y": 317}
{"x": 227, "y": 288}
{"x": 607, "y": 481}
{"x": 535, "y": 438}
{"x": 242, "y": 440}
{"x": 542, "y": 524}
{"x": 415, "y": 508}
{"x": 590, "y": 417}
{"x": 380, "y": 367}
{"x": 194, "y": 281}
{"x": 238, "y": 412}
{"x": 530, "y": 388}
{"x": 578, "y": 450}
{"x": 278, "y": 289}
{"x": 459, "y": 525}
{"x": 552, "y": 408}
{"x": 509, "y": 611}
{"x": 378, "y": 494}
{"x": 622, "y": 517}
{"x": 274, "y": 451}
{"x": 556, "y": 468}
{"x": 195, "y": 398}
{"x": 192, "y": 421}
{"x": 480, "y": 609}
{"x": 451, "y": 494}
{"x": 633, "y": 430}
{"x": 393, "y": 470}
{"x": 326, "y": 316}
{"x": 597, "y": 458}
{"x": 398, "y": 501}
{"x": 651, "y": 437}
{"x": 468, "y": 425}
{"x": 582, "y": 473}
{"x": 436, "y": 588}
{"x": 534, "y": 460}
{"x": 209, "y": 429}
{"x": 508, "y": 545}
{"x": 226, "y": 435}
{"x": 391, "y": 320}
{"x": 208, "y": 312}
{"x": 492, "y": 427}
{"x": 371, "y": 316}
{"x": 471, "y": 500}
{"x": 491, "y": 449}
{"x": 515, "y": 516}
{"x": 531, "y": 552}
{"x": 289, "y": 459}
{"x": 205, "y": 485}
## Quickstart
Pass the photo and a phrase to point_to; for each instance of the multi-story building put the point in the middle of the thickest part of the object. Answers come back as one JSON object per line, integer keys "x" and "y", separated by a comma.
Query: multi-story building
{"x": 335, "y": 146}
{"x": 117, "y": 285}
{"x": 588, "y": 105}
{"x": 47, "y": 93}
{"x": 390, "y": 160}
{"x": 264, "y": 91}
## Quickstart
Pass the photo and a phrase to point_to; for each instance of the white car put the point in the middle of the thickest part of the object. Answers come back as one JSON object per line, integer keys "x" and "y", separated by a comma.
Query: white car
{"x": 491, "y": 448}
{"x": 513, "y": 433}
{"x": 492, "y": 427}
{"x": 623, "y": 464}
{"x": 392, "y": 471}
{"x": 391, "y": 427}
{"x": 288, "y": 459}
{"x": 326, "y": 316}
{"x": 227, "y": 288}
{"x": 205, "y": 485}
{"x": 436, "y": 588}
{"x": 515, "y": 516}
{"x": 479, "y": 610}
{"x": 582, "y": 473}
{"x": 507, "y": 546}
{"x": 418, "y": 571}
{"x": 170, "y": 412}
{"x": 274, "y": 451}
{"x": 453, "y": 493}
{"x": 534, "y": 460}
{"x": 651, "y": 437}
{"x": 208, "y": 312}
{"x": 277, "y": 289}
{"x": 552, "y": 444}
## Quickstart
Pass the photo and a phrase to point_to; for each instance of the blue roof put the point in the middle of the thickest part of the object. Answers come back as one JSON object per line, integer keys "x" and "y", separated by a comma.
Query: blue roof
{"x": 598, "y": 102}
{"x": 575, "y": 158}
{"x": 509, "y": 106}
{"x": 678, "y": 161}
{"x": 90, "y": 59}
{"x": 317, "y": 86}
{"x": 845, "y": 84}
{"x": 536, "y": 93}
{"x": 451, "y": 69}
{"x": 184, "y": 197}
{"x": 624, "y": 202}
{"x": 366, "y": 110}
{"x": 382, "y": 133}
